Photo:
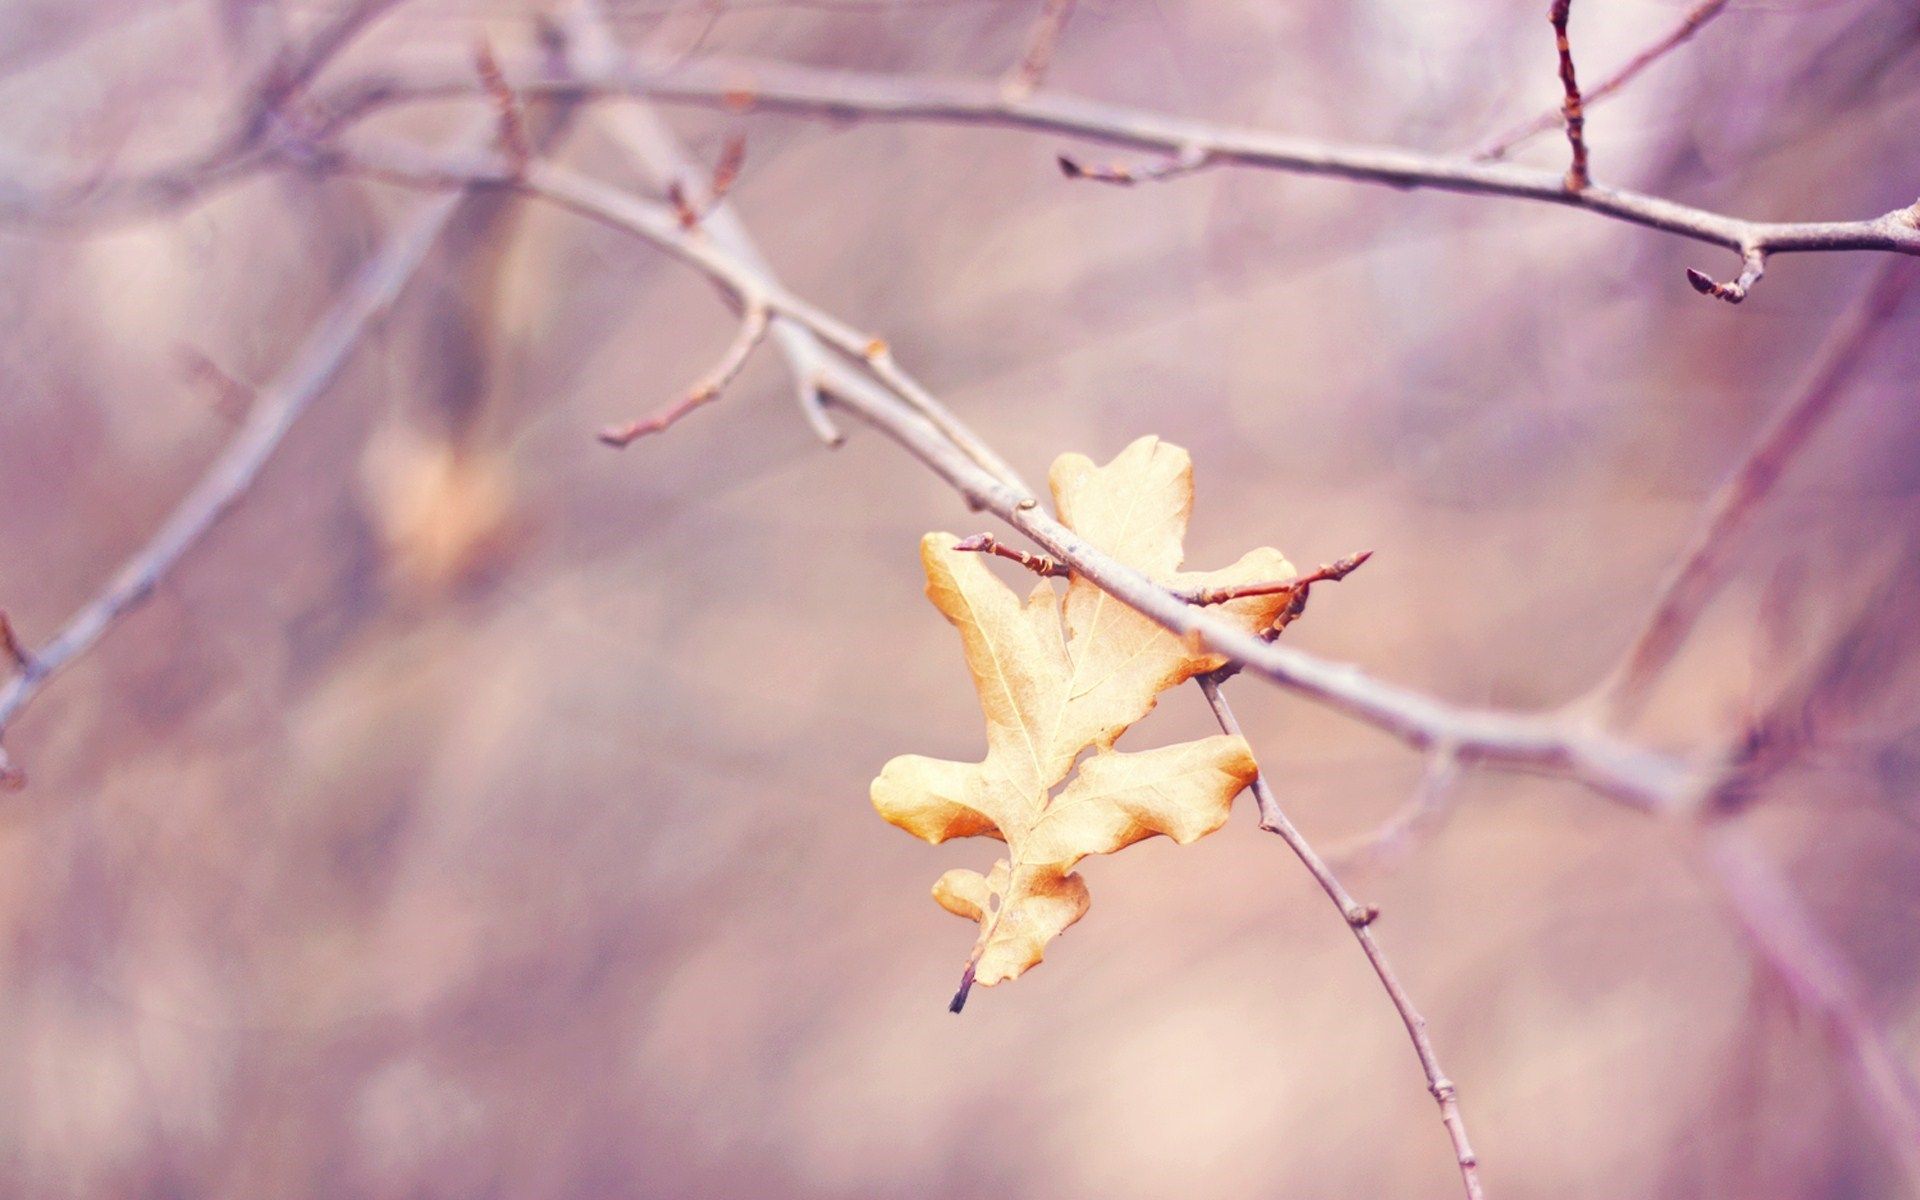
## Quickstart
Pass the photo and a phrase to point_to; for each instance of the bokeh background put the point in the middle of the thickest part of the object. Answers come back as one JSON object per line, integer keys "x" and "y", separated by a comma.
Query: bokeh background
{"x": 482, "y": 812}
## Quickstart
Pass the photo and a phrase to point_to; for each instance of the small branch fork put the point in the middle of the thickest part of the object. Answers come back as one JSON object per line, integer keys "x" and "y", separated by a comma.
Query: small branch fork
{"x": 1572, "y": 110}
{"x": 691, "y": 208}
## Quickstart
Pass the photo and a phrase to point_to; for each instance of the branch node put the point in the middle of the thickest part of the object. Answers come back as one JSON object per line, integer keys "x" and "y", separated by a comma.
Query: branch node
{"x": 1362, "y": 915}
{"x": 1753, "y": 264}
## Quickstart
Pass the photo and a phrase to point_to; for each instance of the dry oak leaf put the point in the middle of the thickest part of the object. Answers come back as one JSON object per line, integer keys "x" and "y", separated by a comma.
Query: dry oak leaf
{"x": 1058, "y": 678}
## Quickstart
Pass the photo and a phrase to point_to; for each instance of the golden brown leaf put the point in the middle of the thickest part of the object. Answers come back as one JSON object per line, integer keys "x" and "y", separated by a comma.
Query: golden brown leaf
{"x": 1060, "y": 677}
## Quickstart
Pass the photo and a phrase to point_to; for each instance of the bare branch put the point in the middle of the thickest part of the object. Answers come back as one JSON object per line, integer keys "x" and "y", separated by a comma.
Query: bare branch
{"x": 1329, "y": 573}
{"x": 736, "y": 84}
{"x": 1702, "y": 567}
{"x": 1636, "y": 777}
{"x": 1571, "y": 109}
{"x": 753, "y": 329}
{"x": 315, "y": 365}
{"x": 1039, "y": 564}
{"x": 1689, "y": 25}
{"x": 657, "y": 152}
{"x": 1360, "y": 918}
{"x": 241, "y": 148}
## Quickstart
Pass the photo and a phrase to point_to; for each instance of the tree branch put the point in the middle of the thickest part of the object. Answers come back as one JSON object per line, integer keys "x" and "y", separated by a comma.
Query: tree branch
{"x": 1360, "y": 919}
{"x": 753, "y": 329}
{"x": 1703, "y": 566}
{"x": 315, "y": 365}
{"x": 1639, "y": 778}
{"x": 736, "y": 84}
{"x": 1635, "y": 777}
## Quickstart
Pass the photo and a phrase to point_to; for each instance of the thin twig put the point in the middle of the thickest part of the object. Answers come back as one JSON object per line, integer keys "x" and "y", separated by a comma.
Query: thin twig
{"x": 1360, "y": 918}
{"x": 1789, "y": 942}
{"x": 1186, "y": 162}
{"x": 1039, "y": 564}
{"x": 1702, "y": 567}
{"x": 1554, "y": 118}
{"x": 1332, "y": 572}
{"x": 16, "y": 651}
{"x": 243, "y": 144}
{"x": 654, "y": 148}
{"x": 753, "y": 329}
{"x": 1571, "y": 110}
{"x": 512, "y": 138}
{"x": 315, "y": 365}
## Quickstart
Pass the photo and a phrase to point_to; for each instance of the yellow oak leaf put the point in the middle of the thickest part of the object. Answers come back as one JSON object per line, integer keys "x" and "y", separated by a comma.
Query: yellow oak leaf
{"x": 1062, "y": 678}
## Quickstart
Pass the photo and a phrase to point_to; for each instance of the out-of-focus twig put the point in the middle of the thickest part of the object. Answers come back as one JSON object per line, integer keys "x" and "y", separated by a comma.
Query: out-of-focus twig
{"x": 1696, "y": 18}
{"x": 1798, "y": 954}
{"x": 1360, "y": 918}
{"x": 1572, "y": 112}
{"x": 1422, "y": 811}
{"x": 513, "y": 139}
{"x": 94, "y": 199}
{"x": 1026, "y": 78}
{"x": 1702, "y": 566}
{"x": 315, "y": 365}
{"x": 753, "y": 329}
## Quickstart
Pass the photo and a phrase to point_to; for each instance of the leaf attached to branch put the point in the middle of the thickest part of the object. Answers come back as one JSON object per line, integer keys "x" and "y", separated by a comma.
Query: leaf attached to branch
{"x": 1060, "y": 678}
